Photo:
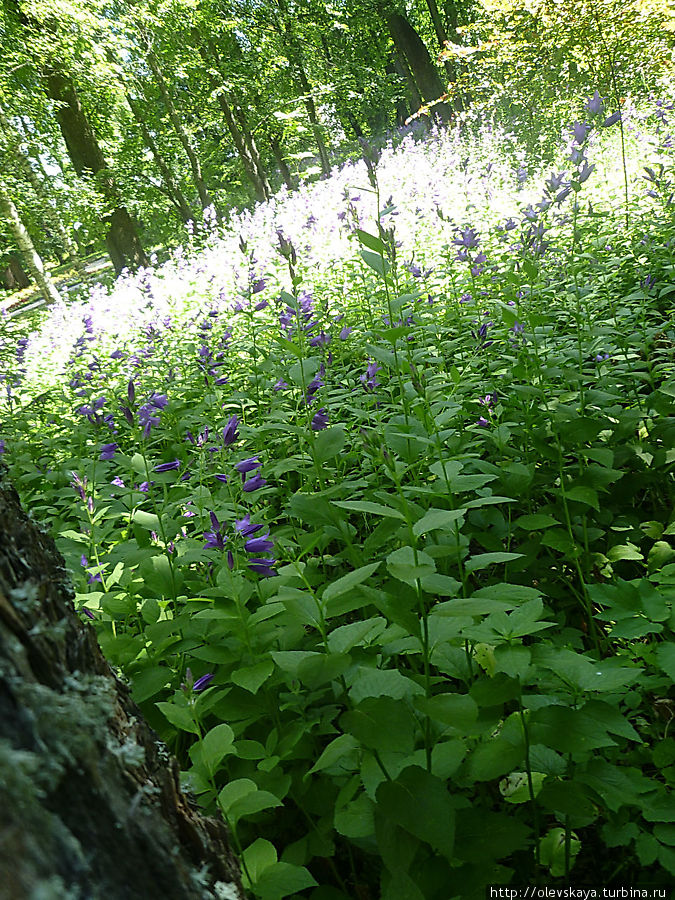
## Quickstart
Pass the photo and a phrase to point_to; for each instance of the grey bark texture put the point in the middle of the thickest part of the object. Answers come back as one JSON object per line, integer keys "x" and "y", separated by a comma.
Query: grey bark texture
{"x": 90, "y": 804}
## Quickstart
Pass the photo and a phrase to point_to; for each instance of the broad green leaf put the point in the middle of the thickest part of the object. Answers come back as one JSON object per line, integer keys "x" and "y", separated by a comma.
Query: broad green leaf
{"x": 438, "y": 519}
{"x": 329, "y": 443}
{"x": 409, "y": 565}
{"x": 356, "y": 819}
{"x": 342, "y": 746}
{"x": 283, "y": 879}
{"x": 367, "y": 506}
{"x": 253, "y": 677}
{"x": 419, "y": 803}
{"x": 179, "y": 716}
{"x": 381, "y": 723}
{"x": 376, "y": 262}
{"x": 483, "y": 560}
{"x": 348, "y": 581}
{"x": 258, "y": 856}
{"x": 215, "y": 745}
{"x": 150, "y": 681}
{"x": 460, "y": 711}
{"x": 370, "y": 241}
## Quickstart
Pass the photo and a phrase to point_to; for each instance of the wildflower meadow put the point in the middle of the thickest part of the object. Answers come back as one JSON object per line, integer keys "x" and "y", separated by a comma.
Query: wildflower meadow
{"x": 368, "y": 495}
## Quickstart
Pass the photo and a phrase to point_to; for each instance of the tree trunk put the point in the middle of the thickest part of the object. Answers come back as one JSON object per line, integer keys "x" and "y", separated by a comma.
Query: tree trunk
{"x": 90, "y": 803}
{"x": 174, "y": 191}
{"x": 277, "y": 150}
{"x": 14, "y": 278}
{"x": 295, "y": 58}
{"x": 235, "y": 120}
{"x": 411, "y": 46}
{"x": 23, "y": 164}
{"x": 122, "y": 239}
{"x": 10, "y": 214}
{"x": 181, "y": 133}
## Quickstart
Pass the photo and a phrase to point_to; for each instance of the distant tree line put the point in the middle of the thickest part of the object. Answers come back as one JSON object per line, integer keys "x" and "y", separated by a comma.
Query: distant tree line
{"x": 122, "y": 122}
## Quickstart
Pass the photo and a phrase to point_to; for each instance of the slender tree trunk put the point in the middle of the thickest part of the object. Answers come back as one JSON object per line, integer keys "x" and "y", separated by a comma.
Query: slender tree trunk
{"x": 181, "y": 133}
{"x": 235, "y": 119}
{"x": 90, "y": 799}
{"x": 10, "y": 214}
{"x": 260, "y": 185}
{"x": 23, "y": 164}
{"x": 277, "y": 150}
{"x": 295, "y": 58}
{"x": 252, "y": 147}
{"x": 122, "y": 241}
{"x": 174, "y": 191}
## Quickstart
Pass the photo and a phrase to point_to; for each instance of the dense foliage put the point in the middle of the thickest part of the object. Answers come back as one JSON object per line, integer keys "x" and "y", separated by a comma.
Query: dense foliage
{"x": 371, "y": 500}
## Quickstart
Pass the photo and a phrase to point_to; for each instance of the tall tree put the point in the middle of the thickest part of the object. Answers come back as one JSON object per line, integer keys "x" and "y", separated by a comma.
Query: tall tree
{"x": 413, "y": 50}
{"x": 122, "y": 240}
{"x": 11, "y": 140}
{"x": 195, "y": 166}
{"x": 32, "y": 259}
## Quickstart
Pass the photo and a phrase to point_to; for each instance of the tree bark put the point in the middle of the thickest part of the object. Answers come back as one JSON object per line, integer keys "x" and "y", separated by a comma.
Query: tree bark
{"x": 90, "y": 803}
{"x": 122, "y": 241}
{"x": 235, "y": 120}
{"x": 23, "y": 164}
{"x": 295, "y": 58}
{"x": 278, "y": 153}
{"x": 10, "y": 214}
{"x": 14, "y": 277}
{"x": 182, "y": 135}
{"x": 174, "y": 191}
{"x": 411, "y": 46}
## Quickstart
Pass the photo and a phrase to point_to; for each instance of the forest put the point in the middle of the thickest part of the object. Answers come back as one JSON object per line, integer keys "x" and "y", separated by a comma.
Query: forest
{"x": 337, "y": 408}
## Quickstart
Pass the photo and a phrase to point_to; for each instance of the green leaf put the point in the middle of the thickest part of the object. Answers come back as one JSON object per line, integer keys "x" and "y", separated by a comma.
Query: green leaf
{"x": 179, "y": 716}
{"x": 582, "y": 494}
{"x": 376, "y": 262}
{"x": 341, "y": 747}
{"x": 366, "y": 506}
{"x": 457, "y": 710}
{"x": 483, "y": 560}
{"x": 329, "y": 443}
{"x": 258, "y": 856}
{"x": 515, "y": 788}
{"x": 419, "y": 803}
{"x": 251, "y": 678}
{"x": 215, "y": 745}
{"x": 438, "y": 519}
{"x": 146, "y": 519}
{"x": 348, "y": 581}
{"x": 379, "y": 682}
{"x": 356, "y": 819}
{"x": 536, "y": 522}
{"x": 408, "y": 567}
{"x": 242, "y": 798}
{"x": 624, "y": 551}
{"x": 381, "y": 723}
{"x": 370, "y": 241}
{"x": 494, "y": 758}
{"x": 148, "y": 682}
{"x": 283, "y": 879}
{"x": 665, "y": 656}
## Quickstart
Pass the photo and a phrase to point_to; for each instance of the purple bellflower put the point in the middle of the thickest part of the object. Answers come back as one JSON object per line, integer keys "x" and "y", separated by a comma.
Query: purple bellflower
{"x": 108, "y": 451}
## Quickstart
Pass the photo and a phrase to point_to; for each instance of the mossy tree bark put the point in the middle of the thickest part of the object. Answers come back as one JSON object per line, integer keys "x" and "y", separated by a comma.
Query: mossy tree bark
{"x": 90, "y": 804}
